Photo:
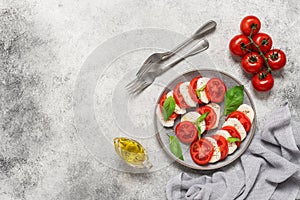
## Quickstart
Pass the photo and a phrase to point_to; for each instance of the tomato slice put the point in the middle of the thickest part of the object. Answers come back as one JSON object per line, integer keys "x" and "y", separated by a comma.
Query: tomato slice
{"x": 211, "y": 118}
{"x": 245, "y": 121}
{"x": 161, "y": 103}
{"x": 215, "y": 89}
{"x": 223, "y": 145}
{"x": 201, "y": 151}
{"x": 193, "y": 88}
{"x": 233, "y": 132}
{"x": 178, "y": 97}
{"x": 186, "y": 132}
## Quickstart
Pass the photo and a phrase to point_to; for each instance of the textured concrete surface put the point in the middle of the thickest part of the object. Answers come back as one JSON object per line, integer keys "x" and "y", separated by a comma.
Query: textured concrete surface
{"x": 43, "y": 45}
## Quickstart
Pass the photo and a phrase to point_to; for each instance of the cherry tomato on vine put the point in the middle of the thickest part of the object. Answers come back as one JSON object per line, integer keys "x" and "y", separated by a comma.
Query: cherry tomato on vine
{"x": 239, "y": 45}
{"x": 263, "y": 81}
{"x": 276, "y": 59}
{"x": 264, "y": 41}
{"x": 252, "y": 63}
{"x": 250, "y": 24}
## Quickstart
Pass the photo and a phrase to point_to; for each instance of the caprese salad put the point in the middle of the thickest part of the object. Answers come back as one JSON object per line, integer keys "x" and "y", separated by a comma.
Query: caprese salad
{"x": 193, "y": 105}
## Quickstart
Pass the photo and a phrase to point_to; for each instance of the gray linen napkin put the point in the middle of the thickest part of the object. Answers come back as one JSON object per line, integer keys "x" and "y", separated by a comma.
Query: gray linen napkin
{"x": 269, "y": 169}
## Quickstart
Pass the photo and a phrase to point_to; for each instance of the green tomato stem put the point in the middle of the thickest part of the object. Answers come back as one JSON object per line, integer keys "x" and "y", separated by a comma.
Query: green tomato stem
{"x": 261, "y": 54}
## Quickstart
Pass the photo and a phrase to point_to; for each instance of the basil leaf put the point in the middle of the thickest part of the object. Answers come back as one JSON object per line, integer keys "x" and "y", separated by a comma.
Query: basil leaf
{"x": 199, "y": 90}
{"x": 201, "y": 118}
{"x": 175, "y": 147}
{"x": 199, "y": 132}
{"x": 234, "y": 97}
{"x": 233, "y": 139}
{"x": 168, "y": 107}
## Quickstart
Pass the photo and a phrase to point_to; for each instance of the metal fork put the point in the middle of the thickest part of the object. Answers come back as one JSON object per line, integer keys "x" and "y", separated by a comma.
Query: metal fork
{"x": 160, "y": 57}
{"x": 141, "y": 83}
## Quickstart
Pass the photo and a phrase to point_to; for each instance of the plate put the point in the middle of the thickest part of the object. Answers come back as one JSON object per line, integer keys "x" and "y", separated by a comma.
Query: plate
{"x": 162, "y": 132}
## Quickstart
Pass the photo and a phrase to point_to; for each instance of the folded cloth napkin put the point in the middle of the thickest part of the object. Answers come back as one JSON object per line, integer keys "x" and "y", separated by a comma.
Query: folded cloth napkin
{"x": 269, "y": 169}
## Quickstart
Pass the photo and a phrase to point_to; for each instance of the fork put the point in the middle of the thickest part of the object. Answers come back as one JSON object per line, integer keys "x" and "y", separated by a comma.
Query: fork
{"x": 160, "y": 57}
{"x": 140, "y": 83}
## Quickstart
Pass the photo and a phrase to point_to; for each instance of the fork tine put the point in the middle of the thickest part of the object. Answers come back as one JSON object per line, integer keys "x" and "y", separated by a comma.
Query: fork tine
{"x": 137, "y": 83}
{"x": 137, "y": 88}
{"x": 130, "y": 84}
{"x": 142, "y": 86}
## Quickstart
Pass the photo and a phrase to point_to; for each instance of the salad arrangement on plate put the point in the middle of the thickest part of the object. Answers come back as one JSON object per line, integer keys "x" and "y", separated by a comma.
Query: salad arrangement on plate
{"x": 192, "y": 108}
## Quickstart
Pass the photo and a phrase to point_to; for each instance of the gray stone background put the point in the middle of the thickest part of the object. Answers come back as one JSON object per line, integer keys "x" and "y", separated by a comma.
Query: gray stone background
{"x": 43, "y": 45}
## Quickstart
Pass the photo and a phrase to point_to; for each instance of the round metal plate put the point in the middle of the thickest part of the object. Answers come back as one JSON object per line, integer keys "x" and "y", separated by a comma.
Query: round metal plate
{"x": 162, "y": 133}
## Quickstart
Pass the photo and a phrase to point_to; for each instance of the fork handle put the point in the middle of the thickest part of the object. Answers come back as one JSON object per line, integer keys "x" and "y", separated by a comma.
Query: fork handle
{"x": 199, "y": 47}
{"x": 200, "y": 33}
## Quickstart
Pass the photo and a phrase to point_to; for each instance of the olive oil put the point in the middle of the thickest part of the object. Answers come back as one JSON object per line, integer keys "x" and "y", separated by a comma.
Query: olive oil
{"x": 132, "y": 152}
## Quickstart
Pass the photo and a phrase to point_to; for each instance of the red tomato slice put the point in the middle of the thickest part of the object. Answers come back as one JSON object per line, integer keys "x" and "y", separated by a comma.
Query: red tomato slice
{"x": 201, "y": 151}
{"x": 178, "y": 97}
{"x": 186, "y": 132}
{"x": 245, "y": 121}
{"x": 193, "y": 88}
{"x": 161, "y": 103}
{"x": 223, "y": 145}
{"x": 211, "y": 118}
{"x": 215, "y": 89}
{"x": 233, "y": 132}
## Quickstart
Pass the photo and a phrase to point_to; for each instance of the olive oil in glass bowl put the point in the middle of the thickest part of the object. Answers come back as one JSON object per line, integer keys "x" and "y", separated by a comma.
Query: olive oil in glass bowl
{"x": 132, "y": 152}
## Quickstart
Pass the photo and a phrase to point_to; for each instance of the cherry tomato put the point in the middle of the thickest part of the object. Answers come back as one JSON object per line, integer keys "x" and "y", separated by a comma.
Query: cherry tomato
{"x": 263, "y": 81}
{"x": 264, "y": 41}
{"x": 215, "y": 90}
{"x": 211, "y": 118}
{"x": 222, "y": 144}
{"x": 276, "y": 59}
{"x": 186, "y": 132}
{"x": 250, "y": 24}
{"x": 252, "y": 63}
{"x": 201, "y": 151}
{"x": 245, "y": 121}
{"x": 238, "y": 45}
{"x": 161, "y": 103}
{"x": 192, "y": 89}
{"x": 178, "y": 97}
{"x": 233, "y": 132}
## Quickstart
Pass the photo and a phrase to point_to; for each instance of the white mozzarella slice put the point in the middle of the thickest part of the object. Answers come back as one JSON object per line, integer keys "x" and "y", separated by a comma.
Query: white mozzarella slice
{"x": 237, "y": 125}
{"x": 192, "y": 117}
{"x": 168, "y": 123}
{"x": 217, "y": 110}
{"x": 247, "y": 110}
{"x": 217, "y": 153}
{"x": 184, "y": 90}
{"x": 200, "y": 84}
{"x": 178, "y": 110}
{"x": 231, "y": 145}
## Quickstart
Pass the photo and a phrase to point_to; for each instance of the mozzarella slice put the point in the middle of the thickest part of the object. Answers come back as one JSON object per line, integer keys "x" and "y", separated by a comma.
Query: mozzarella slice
{"x": 200, "y": 84}
{"x": 217, "y": 153}
{"x": 247, "y": 110}
{"x": 192, "y": 117}
{"x": 184, "y": 90}
{"x": 178, "y": 110}
{"x": 168, "y": 123}
{"x": 231, "y": 145}
{"x": 217, "y": 110}
{"x": 237, "y": 125}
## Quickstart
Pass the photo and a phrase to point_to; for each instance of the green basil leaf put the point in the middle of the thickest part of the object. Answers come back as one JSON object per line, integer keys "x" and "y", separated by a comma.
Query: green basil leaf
{"x": 199, "y": 132}
{"x": 175, "y": 147}
{"x": 201, "y": 118}
{"x": 168, "y": 107}
{"x": 234, "y": 97}
{"x": 199, "y": 90}
{"x": 233, "y": 139}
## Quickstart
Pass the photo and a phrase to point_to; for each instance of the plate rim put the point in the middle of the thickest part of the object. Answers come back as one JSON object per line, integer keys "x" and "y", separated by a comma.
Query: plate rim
{"x": 206, "y": 167}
